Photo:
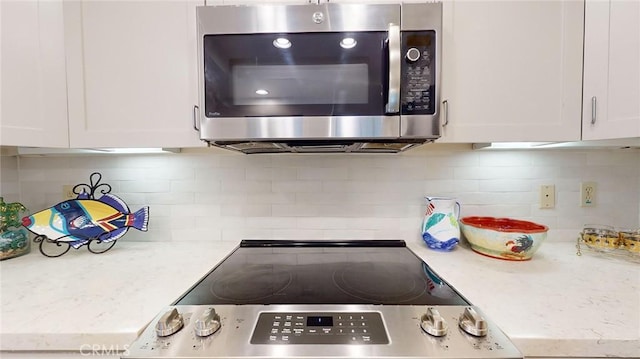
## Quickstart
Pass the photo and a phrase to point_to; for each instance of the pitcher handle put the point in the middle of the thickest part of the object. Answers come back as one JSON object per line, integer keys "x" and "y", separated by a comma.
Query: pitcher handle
{"x": 458, "y": 210}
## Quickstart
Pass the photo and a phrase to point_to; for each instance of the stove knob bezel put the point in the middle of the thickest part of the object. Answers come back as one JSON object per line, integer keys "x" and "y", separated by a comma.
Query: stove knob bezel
{"x": 473, "y": 323}
{"x": 207, "y": 324}
{"x": 433, "y": 324}
{"x": 170, "y": 323}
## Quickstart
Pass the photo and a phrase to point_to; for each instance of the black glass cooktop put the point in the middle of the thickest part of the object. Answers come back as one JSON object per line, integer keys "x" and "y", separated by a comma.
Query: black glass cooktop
{"x": 322, "y": 272}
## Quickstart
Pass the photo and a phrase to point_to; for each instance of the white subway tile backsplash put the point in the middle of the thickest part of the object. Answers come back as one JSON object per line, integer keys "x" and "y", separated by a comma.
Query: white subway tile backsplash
{"x": 322, "y": 173}
{"x": 504, "y": 185}
{"x": 192, "y": 186}
{"x": 287, "y": 186}
{"x": 169, "y": 198}
{"x": 325, "y": 222}
{"x": 211, "y": 194}
{"x": 246, "y": 210}
{"x": 502, "y": 158}
{"x": 219, "y": 173}
{"x": 245, "y": 186}
{"x": 148, "y": 186}
{"x": 9, "y": 179}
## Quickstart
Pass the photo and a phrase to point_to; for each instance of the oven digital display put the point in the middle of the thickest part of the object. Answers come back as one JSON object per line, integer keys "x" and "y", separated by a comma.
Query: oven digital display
{"x": 319, "y": 321}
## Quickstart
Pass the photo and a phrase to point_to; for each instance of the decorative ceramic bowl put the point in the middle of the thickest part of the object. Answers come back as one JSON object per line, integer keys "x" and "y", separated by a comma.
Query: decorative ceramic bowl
{"x": 503, "y": 238}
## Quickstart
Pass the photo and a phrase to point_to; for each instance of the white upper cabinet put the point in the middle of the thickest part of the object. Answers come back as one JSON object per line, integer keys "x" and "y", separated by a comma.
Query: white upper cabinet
{"x": 512, "y": 70}
{"x": 132, "y": 73}
{"x": 34, "y": 95}
{"x": 611, "y": 107}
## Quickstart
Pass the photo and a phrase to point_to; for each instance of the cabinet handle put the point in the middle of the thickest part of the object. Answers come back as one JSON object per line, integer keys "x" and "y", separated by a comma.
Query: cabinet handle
{"x": 445, "y": 112}
{"x": 195, "y": 118}
{"x": 594, "y": 113}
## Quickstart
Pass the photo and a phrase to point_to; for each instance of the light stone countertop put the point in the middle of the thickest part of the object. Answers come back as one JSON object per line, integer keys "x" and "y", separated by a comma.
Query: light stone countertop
{"x": 557, "y": 304}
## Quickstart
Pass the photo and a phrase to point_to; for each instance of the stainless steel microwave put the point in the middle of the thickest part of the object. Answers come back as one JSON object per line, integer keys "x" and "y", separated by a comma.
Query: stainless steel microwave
{"x": 319, "y": 77}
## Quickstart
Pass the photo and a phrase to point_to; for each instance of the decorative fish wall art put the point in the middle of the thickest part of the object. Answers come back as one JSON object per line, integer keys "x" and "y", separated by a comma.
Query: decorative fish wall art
{"x": 96, "y": 223}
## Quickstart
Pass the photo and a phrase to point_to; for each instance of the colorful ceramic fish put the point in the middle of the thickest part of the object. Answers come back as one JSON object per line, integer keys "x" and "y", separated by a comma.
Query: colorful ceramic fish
{"x": 80, "y": 220}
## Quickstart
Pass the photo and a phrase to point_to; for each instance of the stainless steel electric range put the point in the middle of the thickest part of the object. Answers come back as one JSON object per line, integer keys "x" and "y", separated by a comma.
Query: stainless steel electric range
{"x": 322, "y": 299}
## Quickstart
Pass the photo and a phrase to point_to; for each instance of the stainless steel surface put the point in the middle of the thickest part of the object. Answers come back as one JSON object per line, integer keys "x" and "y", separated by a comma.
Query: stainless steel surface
{"x": 207, "y": 324}
{"x": 295, "y": 18}
{"x": 473, "y": 323}
{"x": 413, "y": 54}
{"x": 393, "y": 100}
{"x": 300, "y": 128}
{"x": 433, "y": 323}
{"x": 445, "y": 112}
{"x": 365, "y": 328}
{"x": 272, "y": 134}
{"x": 594, "y": 109}
{"x": 169, "y": 323}
{"x": 196, "y": 117}
{"x": 402, "y": 324}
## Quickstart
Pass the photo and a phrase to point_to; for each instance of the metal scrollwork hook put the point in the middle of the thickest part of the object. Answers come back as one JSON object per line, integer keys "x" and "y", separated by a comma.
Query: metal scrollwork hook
{"x": 89, "y": 190}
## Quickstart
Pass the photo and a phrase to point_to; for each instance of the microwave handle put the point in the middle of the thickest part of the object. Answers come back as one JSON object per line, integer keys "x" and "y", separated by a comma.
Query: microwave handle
{"x": 393, "y": 100}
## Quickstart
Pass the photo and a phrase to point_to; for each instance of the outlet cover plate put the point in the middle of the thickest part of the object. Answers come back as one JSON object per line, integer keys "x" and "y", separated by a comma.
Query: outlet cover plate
{"x": 588, "y": 194}
{"x": 547, "y": 196}
{"x": 67, "y": 192}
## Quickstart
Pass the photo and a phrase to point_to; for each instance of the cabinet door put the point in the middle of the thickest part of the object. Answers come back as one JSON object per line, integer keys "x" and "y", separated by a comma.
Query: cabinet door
{"x": 34, "y": 95}
{"x": 132, "y": 73}
{"x": 611, "y": 70}
{"x": 511, "y": 70}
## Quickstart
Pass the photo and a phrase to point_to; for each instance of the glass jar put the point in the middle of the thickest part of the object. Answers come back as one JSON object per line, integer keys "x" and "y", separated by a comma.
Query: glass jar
{"x": 600, "y": 236}
{"x": 630, "y": 240}
{"x": 14, "y": 239}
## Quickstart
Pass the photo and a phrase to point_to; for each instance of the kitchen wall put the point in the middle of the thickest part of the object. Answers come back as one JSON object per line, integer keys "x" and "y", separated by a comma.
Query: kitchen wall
{"x": 211, "y": 194}
{"x": 9, "y": 179}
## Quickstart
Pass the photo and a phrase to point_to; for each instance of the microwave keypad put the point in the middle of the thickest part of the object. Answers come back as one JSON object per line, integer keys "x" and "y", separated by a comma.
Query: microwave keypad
{"x": 418, "y": 67}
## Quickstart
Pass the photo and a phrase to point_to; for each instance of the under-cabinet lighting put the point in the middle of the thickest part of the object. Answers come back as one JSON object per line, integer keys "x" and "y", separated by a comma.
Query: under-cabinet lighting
{"x": 40, "y": 151}
{"x": 622, "y": 143}
{"x": 510, "y": 145}
{"x": 262, "y": 92}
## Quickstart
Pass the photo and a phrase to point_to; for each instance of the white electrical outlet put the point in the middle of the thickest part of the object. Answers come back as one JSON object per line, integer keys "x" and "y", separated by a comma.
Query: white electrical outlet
{"x": 547, "y": 196}
{"x": 588, "y": 194}
{"x": 67, "y": 192}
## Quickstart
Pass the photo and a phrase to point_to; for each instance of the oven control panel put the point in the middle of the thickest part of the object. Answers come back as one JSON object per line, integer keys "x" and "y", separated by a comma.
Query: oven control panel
{"x": 321, "y": 331}
{"x": 320, "y": 328}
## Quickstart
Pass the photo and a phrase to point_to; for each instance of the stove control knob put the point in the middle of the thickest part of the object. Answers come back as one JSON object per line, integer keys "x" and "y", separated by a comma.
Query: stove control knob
{"x": 432, "y": 323}
{"x": 169, "y": 323}
{"x": 208, "y": 323}
{"x": 413, "y": 55}
{"x": 472, "y": 323}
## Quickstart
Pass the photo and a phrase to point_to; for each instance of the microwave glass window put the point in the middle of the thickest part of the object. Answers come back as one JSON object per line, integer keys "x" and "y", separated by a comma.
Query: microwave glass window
{"x": 284, "y": 85}
{"x": 301, "y": 74}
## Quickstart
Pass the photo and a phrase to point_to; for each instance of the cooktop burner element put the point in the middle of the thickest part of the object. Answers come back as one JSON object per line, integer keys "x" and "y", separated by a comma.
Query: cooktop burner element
{"x": 321, "y": 272}
{"x": 368, "y": 282}
{"x": 322, "y": 299}
{"x": 253, "y": 283}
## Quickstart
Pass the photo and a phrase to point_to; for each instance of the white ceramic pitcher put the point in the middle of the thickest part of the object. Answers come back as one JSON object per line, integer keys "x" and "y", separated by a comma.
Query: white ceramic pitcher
{"x": 440, "y": 229}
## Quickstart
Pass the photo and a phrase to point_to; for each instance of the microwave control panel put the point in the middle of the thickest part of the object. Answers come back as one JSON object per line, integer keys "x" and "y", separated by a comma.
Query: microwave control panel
{"x": 417, "y": 93}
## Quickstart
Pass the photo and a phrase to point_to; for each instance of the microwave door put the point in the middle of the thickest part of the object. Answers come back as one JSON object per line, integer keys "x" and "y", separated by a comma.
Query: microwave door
{"x": 300, "y": 74}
